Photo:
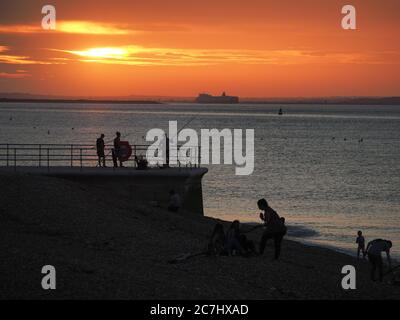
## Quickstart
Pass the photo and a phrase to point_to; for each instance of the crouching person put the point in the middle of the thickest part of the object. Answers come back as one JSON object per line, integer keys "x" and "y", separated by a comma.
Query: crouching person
{"x": 274, "y": 227}
{"x": 374, "y": 252}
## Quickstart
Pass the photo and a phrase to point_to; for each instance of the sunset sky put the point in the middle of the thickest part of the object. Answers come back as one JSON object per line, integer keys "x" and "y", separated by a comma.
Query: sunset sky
{"x": 252, "y": 48}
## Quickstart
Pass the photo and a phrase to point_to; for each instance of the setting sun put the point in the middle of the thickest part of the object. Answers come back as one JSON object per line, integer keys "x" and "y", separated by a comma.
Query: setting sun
{"x": 105, "y": 53}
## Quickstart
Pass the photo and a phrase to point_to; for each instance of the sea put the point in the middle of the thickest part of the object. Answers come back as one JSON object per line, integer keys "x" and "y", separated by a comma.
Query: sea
{"x": 330, "y": 170}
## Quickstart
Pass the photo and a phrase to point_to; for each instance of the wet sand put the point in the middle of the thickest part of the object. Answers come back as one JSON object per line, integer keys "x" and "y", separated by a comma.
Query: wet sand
{"x": 104, "y": 245}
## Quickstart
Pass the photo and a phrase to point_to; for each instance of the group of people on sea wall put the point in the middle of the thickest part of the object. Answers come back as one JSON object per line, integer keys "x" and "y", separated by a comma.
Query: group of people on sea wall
{"x": 235, "y": 241}
{"x": 374, "y": 251}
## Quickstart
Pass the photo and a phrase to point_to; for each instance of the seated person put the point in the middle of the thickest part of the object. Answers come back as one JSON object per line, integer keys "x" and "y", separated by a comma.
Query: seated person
{"x": 216, "y": 246}
{"x": 232, "y": 242}
{"x": 174, "y": 201}
{"x": 141, "y": 162}
{"x": 248, "y": 247}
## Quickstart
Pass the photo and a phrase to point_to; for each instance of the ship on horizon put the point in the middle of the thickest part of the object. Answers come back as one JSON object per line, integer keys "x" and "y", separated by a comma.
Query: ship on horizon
{"x": 208, "y": 98}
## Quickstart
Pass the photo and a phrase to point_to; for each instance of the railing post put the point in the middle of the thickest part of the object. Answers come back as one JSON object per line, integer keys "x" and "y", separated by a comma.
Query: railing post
{"x": 7, "y": 154}
{"x": 72, "y": 155}
{"x": 48, "y": 159}
{"x": 40, "y": 155}
{"x": 134, "y": 155}
{"x": 198, "y": 156}
{"x": 81, "y": 157}
{"x": 15, "y": 159}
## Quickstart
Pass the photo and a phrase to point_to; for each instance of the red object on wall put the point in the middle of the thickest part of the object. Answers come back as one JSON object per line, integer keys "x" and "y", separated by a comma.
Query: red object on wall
{"x": 125, "y": 150}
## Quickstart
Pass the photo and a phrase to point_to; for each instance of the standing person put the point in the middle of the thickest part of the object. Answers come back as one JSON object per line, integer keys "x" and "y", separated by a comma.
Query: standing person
{"x": 374, "y": 252}
{"x": 174, "y": 201}
{"x": 361, "y": 244}
{"x": 274, "y": 227}
{"x": 116, "y": 152}
{"x": 100, "y": 150}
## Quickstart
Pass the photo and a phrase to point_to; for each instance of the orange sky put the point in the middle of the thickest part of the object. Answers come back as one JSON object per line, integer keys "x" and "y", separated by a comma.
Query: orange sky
{"x": 252, "y": 48}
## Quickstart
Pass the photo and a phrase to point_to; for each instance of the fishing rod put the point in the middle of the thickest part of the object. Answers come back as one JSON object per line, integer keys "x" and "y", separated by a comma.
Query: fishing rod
{"x": 188, "y": 122}
{"x": 185, "y": 125}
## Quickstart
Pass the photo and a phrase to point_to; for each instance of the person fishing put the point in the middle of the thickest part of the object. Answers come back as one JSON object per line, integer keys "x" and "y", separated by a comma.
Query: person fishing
{"x": 374, "y": 251}
{"x": 100, "y": 150}
{"x": 274, "y": 227}
{"x": 116, "y": 151}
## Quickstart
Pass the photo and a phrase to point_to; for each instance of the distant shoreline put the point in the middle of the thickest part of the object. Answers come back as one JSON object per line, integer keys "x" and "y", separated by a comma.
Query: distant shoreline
{"x": 4, "y": 100}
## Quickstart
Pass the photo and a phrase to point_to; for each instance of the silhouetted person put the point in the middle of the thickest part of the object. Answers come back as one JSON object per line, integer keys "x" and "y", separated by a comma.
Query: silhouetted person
{"x": 100, "y": 150}
{"x": 361, "y": 245}
{"x": 275, "y": 227}
{"x": 232, "y": 242}
{"x": 141, "y": 162}
{"x": 174, "y": 201}
{"x": 216, "y": 246}
{"x": 247, "y": 246}
{"x": 116, "y": 151}
{"x": 374, "y": 252}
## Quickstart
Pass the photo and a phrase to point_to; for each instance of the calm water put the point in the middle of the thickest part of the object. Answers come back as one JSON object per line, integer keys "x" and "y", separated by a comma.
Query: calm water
{"x": 309, "y": 163}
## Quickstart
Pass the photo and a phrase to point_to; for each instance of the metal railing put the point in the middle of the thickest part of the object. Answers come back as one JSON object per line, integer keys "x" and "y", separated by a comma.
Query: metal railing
{"x": 77, "y": 155}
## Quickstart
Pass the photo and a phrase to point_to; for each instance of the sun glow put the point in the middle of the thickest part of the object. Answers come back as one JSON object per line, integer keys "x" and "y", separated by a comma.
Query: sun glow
{"x": 103, "y": 53}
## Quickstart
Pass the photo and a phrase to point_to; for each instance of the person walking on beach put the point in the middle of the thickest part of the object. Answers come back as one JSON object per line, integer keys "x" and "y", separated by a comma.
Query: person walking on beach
{"x": 274, "y": 227}
{"x": 374, "y": 252}
{"x": 361, "y": 244}
{"x": 116, "y": 152}
{"x": 100, "y": 150}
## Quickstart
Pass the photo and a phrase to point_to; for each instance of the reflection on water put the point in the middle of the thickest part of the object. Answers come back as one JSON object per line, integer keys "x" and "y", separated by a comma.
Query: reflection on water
{"x": 311, "y": 163}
